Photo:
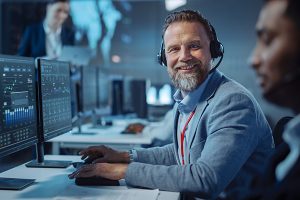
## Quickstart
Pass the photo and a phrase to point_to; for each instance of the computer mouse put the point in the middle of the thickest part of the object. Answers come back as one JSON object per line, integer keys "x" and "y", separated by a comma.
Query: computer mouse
{"x": 95, "y": 181}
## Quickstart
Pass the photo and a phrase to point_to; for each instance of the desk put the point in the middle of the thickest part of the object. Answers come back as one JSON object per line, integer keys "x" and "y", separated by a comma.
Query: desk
{"x": 110, "y": 136}
{"x": 51, "y": 183}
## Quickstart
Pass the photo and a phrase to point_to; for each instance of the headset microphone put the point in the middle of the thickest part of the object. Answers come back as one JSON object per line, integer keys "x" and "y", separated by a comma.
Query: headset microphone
{"x": 219, "y": 62}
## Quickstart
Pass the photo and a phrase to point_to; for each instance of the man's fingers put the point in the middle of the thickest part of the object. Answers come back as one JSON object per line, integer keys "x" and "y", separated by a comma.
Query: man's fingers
{"x": 84, "y": 171}
{"x": 83, "y": 157}
{"x": 100, "y": 160}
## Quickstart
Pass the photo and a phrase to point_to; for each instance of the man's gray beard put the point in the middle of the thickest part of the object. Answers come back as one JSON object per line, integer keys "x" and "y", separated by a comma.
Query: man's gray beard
{"x": 185, "y": 82}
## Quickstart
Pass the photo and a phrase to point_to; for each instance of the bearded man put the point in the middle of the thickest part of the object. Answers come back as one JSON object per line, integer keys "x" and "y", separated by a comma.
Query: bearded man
{"x": 220, "y": 137}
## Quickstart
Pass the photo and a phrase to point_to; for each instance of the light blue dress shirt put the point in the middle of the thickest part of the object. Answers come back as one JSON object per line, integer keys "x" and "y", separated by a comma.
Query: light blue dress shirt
{"x": 186, "y": 106}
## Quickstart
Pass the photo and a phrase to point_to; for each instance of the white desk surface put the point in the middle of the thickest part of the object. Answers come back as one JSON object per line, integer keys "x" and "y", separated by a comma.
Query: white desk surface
{"x": 110, "y": 135}
{"x": 50, "y": 183}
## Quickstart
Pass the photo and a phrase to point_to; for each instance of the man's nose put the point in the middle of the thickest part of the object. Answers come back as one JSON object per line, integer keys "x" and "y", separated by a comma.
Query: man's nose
{"x": 255, "y": 58}
{"x": 185, "y": 55}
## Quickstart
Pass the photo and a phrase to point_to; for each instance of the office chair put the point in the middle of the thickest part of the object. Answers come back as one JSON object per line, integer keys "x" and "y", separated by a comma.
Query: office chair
{"x": 278, "y": 130}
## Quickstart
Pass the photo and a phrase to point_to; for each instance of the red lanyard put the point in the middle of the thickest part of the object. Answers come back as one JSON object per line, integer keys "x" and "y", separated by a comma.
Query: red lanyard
{"x": 182, "y": 134}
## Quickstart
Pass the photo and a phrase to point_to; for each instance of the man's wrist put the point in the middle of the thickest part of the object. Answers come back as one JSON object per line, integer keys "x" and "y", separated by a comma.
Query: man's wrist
{"x": 131, "y": 155}
{"x": 124, "y": 157}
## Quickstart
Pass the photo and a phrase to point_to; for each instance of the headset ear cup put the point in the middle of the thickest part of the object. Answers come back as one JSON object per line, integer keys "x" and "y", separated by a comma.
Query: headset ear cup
{"x": 216, "y": 49}
{"x": 163, "y": 58}
{"x": 159, "y": 58}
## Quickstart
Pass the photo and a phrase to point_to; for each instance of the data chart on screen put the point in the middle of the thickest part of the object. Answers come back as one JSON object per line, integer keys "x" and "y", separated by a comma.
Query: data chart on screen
{"x": 55, "y": 97}
{"x": 18, "y": 102}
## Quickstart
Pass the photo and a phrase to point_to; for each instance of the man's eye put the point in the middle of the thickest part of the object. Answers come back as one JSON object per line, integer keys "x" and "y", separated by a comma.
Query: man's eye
{"x": 267, "y": 40}
{"x": 195, "y": 46}
{"x": 173, "y": 50}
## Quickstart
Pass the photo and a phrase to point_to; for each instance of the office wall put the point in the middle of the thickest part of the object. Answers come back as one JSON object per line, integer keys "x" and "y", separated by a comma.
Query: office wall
{"x": 16, "y": 15}
{"x": 234, "y": 22}
{"x": 136, "y": 37}
{"x": 0, "y": 26}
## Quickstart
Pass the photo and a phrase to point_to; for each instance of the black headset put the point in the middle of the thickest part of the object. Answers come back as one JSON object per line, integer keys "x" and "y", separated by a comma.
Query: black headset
{"x": 216, "y": 50}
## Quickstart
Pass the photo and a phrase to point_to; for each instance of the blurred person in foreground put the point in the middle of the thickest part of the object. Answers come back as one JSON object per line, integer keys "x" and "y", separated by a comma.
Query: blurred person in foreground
{"x": 276, "y": 60}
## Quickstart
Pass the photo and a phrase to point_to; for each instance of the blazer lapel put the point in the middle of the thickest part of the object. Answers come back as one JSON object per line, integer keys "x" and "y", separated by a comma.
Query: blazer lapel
{"x": 194, "y": 125}
{"x": 175, "y": 132}
{"x": 42, "y": 39}
{"x": 208, "y": 94}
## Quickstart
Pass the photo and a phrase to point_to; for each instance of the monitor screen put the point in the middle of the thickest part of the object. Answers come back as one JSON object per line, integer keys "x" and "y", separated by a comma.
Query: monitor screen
{"x": 159, "y": 94}
{"x": 104, "y": 88}
{"x": 88, "y": 88}
{"x": 55, "y": 98}
{"x": 75, "y": 88}
{"x": 18, "y": 119}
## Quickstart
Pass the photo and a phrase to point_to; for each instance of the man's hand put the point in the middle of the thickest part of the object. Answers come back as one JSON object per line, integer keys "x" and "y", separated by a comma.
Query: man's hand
{"x": 99, "y": 154}
{"x": 105, "y": 170}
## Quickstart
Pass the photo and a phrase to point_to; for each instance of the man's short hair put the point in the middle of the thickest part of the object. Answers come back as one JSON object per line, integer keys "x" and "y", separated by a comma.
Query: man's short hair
{"x": 188, "y": 16}
{"x": 292, "y": 10}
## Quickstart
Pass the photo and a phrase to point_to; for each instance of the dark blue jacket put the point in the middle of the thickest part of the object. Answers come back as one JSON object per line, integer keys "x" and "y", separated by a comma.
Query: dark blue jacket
{"x": 33, "y": 43}
{"x": 267, "y": 188}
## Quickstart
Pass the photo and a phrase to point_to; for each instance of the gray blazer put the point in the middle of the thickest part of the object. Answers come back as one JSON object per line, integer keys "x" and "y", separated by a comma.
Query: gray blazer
{"x": 229, "y": 142}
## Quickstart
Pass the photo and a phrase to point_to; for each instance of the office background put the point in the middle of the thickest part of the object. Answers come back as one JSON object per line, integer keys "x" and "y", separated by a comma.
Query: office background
{"x": 126, "y": 35}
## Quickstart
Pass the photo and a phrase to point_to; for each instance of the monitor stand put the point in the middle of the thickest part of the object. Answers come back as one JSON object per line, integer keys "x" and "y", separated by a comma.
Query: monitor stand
{"x": 78, "y": 119}
{"x": 15, "y": 183}
{"x": 100, "y": 122}
{"x": 41, "y": 163}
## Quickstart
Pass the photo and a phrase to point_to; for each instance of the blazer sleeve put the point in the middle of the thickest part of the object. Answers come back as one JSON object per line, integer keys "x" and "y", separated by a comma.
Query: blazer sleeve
{"x": 157, "y": 155}
{"x": 25, "y": 44}
{"x": 232, "y": 126}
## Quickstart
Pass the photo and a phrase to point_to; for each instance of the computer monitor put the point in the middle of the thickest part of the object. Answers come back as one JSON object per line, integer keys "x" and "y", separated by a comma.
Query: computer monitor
{"x": 54, "y": 106}
{"x": 18, "y": 119}
{"x": 85, "y": 96}
{"x": 117, "y": 91}
{"x": 88, "y": 89}
{"x": 128, "y": 95}
{"x": 75, "y": 85}
{"x": 160, "y": 94}
{"x": 103, "y": 90}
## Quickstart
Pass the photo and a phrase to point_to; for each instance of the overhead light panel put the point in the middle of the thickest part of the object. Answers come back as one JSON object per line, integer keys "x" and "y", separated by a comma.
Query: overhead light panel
{"x": 173, "y": 4}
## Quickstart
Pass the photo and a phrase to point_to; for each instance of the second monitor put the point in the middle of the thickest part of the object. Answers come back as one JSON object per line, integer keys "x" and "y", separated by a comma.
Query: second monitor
{"x": 55, "y": 115}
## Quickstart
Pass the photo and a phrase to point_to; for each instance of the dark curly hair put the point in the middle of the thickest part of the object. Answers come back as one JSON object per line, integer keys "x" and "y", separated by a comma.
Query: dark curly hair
{"x": 292, "y": 10}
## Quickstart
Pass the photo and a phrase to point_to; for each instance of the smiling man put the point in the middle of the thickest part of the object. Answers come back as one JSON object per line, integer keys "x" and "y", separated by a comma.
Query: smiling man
{"x": 221, "y": 137}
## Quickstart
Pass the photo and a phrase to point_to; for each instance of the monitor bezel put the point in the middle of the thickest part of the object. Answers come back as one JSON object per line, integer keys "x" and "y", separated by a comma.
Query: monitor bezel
{"x": 45, "y": 137}
{"x": 87, "y": 110}
{"x": 33, "y": 140}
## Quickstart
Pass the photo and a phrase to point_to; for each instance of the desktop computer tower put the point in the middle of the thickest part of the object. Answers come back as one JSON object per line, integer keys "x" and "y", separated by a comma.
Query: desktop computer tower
{"x": 138, "y": 97}
{"x": 117, "y": 97}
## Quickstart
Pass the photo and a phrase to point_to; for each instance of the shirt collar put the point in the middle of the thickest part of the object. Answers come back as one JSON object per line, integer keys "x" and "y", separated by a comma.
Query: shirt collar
{"x": 189, "y": 102}
{"x": 49, "y": 31}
